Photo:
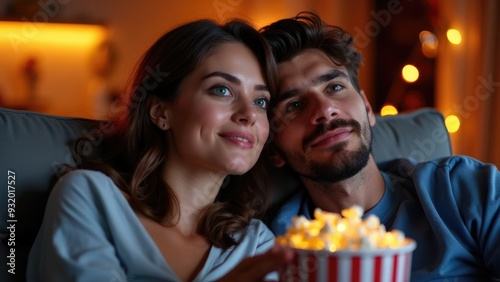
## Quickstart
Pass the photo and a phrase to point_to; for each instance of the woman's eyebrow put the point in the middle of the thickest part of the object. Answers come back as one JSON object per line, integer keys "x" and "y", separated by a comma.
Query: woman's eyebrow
{"x": 224, "y": 75}
{"x": 261, "y": 87}
{"x": 234, "y": 79}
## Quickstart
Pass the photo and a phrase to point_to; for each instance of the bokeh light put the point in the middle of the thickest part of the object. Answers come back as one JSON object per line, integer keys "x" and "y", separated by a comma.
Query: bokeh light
{"x": 429, "y": 43}
{"x": 388, "y": 110}
{"x": 452, "y": 123}
{"x": 454, "y": 36}
{"x": 410, "y": 73}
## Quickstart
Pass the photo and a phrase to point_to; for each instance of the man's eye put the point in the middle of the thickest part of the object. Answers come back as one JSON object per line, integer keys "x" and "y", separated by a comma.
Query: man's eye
{"x": 262, "y": 102}
{"x": 293, "y": 106}
{"x": 334, "y": 87}
{"x": 220, "y": 90}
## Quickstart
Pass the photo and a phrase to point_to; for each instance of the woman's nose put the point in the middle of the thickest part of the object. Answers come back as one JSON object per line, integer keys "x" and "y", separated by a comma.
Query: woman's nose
{"x": 245, "y": 113}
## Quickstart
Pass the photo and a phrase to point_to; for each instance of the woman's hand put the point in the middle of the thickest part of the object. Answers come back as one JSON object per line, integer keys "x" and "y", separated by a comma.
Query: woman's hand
{"x": 257, "y": 267}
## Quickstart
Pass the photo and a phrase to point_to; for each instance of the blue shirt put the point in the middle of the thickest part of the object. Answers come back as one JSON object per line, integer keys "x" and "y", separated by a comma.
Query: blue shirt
{"x": 450, "y": 206}
{"x": 90, "y": 233}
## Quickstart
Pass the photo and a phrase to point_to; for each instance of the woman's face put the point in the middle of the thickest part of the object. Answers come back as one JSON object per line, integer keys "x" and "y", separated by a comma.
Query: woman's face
{"x": 219, "y": 122}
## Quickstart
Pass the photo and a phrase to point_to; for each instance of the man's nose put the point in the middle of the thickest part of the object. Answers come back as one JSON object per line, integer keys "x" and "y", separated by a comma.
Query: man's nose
{"x": 323, "y": 109}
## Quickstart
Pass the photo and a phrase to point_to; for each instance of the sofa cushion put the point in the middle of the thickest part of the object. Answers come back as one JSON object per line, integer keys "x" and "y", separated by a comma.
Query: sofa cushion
{"x": 421, "y": 135}
{"x": 33, "y": 147}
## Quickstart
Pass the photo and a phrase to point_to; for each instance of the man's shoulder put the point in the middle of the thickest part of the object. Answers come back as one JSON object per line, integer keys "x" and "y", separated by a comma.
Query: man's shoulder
{"x": 453, "y": 172}
{"x": 409, "y": 166}
{"x": 456, "y": 167}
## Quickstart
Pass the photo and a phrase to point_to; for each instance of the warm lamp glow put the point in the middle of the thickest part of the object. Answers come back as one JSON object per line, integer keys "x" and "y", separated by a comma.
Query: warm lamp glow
{"x": 24, "y": 34}
{"x": 454, "y": 36}
{"x": 410, "y": 73}
{"x": 388, "y": 110}
{"x": 54, "y": 68}
{"x": 452, "y": 123}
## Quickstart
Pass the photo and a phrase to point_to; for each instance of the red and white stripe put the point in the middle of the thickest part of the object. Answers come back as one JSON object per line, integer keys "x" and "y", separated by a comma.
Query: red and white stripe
{"x": 311, "y": 267}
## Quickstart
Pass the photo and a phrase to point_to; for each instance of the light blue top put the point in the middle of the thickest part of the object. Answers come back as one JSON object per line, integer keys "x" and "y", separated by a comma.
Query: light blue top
{"x": 90, "y": 233}
{"x": 450, "y": 206}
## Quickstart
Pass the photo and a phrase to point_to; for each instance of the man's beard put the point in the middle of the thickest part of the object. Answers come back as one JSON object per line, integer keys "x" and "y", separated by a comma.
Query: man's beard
{"x": 343, "y": 164}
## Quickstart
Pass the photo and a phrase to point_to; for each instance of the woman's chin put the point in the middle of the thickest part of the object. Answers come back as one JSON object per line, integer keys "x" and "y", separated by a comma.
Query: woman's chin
{"x": 238, "y": 167}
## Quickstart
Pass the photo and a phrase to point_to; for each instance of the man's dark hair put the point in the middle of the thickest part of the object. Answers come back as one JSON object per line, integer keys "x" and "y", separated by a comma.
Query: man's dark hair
{"x": 290, "y": 37}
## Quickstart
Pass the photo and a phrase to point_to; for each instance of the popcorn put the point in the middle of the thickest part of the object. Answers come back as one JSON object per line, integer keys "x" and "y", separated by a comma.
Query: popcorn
{"x": 345, "y": 247}
{"x": 344, "y": 231}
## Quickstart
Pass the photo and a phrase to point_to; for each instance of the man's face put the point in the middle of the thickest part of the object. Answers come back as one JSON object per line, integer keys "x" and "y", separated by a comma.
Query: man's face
{"x": 321, "y": 124}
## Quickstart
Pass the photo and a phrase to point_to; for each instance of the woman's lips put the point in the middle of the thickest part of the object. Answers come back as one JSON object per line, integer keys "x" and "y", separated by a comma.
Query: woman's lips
{"x": 244, "y": 140}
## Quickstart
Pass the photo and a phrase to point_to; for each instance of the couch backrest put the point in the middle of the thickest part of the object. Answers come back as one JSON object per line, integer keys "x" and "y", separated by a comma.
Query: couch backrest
{"x": 33, "y": 147}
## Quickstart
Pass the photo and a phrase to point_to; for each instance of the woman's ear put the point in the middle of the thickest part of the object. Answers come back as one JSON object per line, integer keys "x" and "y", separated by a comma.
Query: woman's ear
{"x": 158, "y": 112}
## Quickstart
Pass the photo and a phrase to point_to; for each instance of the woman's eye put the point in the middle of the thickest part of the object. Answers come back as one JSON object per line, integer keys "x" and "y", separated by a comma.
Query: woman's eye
{"x": 220, "y": 90}
{"x": 293, "y": 106}
{"x": 262, "y": 102}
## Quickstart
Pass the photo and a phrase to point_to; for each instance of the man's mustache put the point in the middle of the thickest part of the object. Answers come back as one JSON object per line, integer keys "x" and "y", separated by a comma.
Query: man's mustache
{"x": 333, "y": 124}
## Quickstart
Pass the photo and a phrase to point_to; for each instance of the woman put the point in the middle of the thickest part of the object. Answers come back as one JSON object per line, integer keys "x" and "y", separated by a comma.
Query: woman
{"x": 153, "y": 201}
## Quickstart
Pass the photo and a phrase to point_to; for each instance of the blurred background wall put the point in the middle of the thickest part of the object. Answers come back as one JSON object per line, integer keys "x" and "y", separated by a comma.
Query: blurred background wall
{"x": 79, "y": 68}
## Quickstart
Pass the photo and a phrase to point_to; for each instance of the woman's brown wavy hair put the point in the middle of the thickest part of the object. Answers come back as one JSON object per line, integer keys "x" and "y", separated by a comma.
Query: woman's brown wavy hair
{"x": 132, "y": 149}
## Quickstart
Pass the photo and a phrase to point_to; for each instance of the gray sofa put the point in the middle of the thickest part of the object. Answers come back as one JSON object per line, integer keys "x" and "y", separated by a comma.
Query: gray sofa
{"x": 33, "y": 147}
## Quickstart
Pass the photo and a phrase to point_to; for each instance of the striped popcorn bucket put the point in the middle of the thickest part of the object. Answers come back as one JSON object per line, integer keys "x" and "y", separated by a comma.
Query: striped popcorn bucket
{"x": 378, "y": 265}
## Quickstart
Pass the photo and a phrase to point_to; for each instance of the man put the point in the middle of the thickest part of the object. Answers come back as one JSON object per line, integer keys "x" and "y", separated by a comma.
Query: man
{"x": 451, "y": 206}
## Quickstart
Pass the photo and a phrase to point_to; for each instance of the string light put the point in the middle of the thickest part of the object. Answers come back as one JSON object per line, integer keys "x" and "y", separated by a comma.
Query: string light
{"x": 452, "y": 123}
{"x": 410, "y": 73}
{"x": 388, "y": 110}
{"x": 454, "y": 36}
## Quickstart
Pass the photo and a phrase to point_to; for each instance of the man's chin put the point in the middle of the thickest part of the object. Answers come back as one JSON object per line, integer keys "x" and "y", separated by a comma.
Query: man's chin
{"x": 331, "y": 153}
{"x": 341, "y": 166}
